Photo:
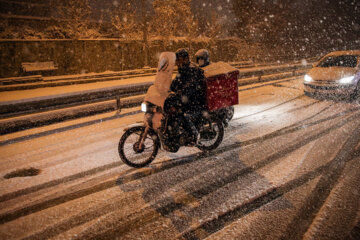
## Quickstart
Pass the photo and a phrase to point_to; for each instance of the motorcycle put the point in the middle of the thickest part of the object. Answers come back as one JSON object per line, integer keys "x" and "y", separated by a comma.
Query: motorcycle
{"x": 166, "y": 129}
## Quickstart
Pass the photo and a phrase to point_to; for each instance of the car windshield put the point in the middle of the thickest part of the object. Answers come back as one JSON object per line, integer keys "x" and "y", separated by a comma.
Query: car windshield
{"x": 339, "y": 61}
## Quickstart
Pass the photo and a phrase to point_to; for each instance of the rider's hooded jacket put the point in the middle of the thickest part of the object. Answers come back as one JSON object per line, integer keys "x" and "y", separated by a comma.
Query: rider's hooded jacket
{"x": 157, "y": 93}
{"x": 190, "y": 85}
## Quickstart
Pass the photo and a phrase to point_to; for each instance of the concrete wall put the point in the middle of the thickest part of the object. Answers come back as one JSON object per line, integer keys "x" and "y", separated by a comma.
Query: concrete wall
{"x": 82, "y": 56}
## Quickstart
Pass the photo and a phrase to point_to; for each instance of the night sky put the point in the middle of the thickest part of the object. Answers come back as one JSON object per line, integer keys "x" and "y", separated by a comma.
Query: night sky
{"x": 285, "y": 22}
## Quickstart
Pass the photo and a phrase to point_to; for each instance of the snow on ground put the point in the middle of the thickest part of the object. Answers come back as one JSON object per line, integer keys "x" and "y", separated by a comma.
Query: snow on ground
{"x": 275, "y": 159}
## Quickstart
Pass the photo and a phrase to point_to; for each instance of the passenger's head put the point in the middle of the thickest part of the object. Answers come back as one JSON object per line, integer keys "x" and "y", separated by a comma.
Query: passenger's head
{"x": 202, "y": 57}
{"x": 182, "y": 58}
{"x": 166, "y": 62}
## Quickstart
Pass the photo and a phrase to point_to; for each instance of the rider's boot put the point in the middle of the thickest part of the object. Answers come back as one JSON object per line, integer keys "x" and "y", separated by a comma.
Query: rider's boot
{"x": 194, "y": 134}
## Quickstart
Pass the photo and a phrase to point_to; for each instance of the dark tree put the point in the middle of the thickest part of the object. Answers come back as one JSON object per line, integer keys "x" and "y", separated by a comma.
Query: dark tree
{"x": 300, "y": 24}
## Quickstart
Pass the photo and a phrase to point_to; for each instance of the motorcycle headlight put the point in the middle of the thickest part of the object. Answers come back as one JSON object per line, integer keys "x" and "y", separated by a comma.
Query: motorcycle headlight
{"x": 143, "y": 107}
{"x": 307, "y": 78}
{"x": 347, "y": 80}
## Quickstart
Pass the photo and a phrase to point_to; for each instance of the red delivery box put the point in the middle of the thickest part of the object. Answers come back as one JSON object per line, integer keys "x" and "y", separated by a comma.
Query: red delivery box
{"x": 221, "y": 85}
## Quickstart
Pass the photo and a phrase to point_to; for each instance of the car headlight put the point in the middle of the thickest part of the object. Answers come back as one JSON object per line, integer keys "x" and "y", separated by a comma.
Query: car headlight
{"x": 307, "y": 78}
{"x": 143, "y": 107}
{"x": 347, "y": 80}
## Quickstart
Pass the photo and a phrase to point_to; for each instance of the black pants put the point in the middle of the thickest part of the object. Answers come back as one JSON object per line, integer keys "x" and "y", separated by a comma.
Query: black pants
{"x": 190, "y": 120}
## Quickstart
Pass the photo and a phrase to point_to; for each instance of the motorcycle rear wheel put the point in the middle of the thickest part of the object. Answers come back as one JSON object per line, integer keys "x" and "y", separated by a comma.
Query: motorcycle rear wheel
{"x": 129, "y": 150}
{"x": 211, "y": 135}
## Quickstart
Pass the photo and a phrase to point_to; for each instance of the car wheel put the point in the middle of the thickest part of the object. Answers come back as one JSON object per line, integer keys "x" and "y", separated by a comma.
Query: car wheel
{"x": 308, "y": 94}
{"x": 356, "y": 92}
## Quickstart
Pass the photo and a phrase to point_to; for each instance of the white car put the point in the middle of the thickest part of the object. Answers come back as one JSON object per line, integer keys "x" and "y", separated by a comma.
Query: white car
{"x": 337, "y": 73}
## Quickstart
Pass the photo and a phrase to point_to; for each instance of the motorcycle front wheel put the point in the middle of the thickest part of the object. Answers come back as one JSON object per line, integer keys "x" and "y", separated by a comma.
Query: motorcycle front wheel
{"x": 211, "y": 135}
{"x": 129, "y": 150}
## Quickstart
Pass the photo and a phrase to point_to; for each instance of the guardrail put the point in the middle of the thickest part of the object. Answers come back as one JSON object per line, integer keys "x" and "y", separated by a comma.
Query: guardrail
{"x": 56, "y": 108}
{"x": 40, "y": 104}
{"x": 26, "y": 106}
{"x": 22, "y": 83}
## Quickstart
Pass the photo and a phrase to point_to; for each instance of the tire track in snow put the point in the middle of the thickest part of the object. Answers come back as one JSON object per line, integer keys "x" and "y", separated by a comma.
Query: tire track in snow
{"x": 178, "y": 162}
{"x": 170, "y": 207}
{"x": 173, "y": 163}
{"x": 198, "y": 193}
{"x": 345, "y": 154}
{"x": 320, "y": 193}
{"x": 142, "y": 216}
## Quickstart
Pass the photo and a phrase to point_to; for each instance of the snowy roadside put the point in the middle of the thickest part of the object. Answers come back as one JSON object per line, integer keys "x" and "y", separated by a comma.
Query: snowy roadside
{"x": 36, "y": 119}
{"x": 50, "y": 105}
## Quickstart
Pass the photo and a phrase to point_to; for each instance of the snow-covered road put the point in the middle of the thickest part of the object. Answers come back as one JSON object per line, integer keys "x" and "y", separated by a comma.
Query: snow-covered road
{"x": 288, "y": 168}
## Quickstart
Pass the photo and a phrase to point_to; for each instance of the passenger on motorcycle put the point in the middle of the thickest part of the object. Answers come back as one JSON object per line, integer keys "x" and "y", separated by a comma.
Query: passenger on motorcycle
{"x": 189, "y": 87}
{"x": 202, "y": 58}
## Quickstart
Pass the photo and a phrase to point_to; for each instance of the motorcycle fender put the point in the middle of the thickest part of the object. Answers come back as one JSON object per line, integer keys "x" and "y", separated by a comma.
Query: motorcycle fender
{"x": 140, "y": 124}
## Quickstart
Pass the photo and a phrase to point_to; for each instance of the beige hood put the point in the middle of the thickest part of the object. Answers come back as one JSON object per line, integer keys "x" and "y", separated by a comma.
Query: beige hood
{"x": 157, "y": 93}
{"x": 331, "y": 73}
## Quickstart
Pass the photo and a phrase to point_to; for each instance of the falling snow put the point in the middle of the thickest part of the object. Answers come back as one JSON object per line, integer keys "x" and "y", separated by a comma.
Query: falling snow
{"x": 73, "y": 75}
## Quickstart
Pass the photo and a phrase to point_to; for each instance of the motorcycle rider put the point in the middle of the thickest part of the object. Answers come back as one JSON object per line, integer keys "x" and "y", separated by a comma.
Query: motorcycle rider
{"x": 189, "y": 87}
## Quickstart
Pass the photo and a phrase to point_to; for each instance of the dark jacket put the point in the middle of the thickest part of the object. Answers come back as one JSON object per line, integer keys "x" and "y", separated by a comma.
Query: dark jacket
{"x": 190, "y": 86}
